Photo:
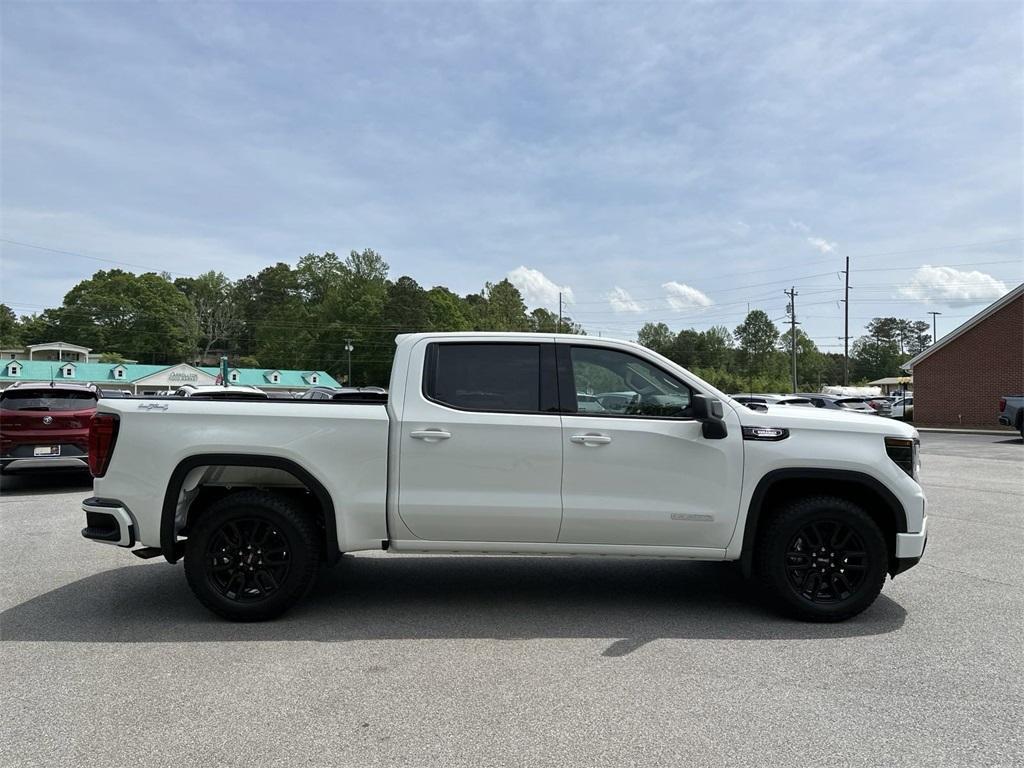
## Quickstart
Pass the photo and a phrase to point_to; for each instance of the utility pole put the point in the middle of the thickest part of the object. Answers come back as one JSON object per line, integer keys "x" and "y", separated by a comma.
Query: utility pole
{"x": 792, "y": 322}
{"x": 846, "y": 326}
{"x": 935, "y": 335}
{"x": 348, "y": 349}
{"x": 559, "y": 312}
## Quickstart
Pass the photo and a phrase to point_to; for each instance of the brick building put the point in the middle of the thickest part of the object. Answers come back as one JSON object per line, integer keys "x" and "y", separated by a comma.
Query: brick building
{"x": 958, "y": 380}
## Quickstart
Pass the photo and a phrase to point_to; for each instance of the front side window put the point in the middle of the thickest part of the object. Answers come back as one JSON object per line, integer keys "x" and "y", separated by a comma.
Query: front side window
{"x": 613, "y": 383}
{"x": 485, "y": 377}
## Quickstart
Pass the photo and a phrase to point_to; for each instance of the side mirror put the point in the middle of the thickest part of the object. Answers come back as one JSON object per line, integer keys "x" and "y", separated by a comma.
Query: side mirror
{"x": 711, "y": 414}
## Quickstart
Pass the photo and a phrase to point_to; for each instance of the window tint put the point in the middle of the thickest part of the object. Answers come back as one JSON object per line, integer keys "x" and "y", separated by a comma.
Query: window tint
{"x": 611, "y": 383}
{"x": 46, "y": 400}
{"x": 486, "y": 377}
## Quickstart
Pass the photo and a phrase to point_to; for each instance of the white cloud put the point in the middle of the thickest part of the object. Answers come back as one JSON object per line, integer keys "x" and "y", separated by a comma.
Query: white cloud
{"x": 538, "y": 289}
{"x": 799, "y": 226}
{"x": 681, "y": 296}
{"x": 949, "y": 286}
{"x": 621, "y": 301}
{"x": 822, "y": 244}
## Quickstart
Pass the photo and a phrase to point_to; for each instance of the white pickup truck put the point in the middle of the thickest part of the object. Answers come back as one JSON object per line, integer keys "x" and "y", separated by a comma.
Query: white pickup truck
{"x": 510, "y": 443}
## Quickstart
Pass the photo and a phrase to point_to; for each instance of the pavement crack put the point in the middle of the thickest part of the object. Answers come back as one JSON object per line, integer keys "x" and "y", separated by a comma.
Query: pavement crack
{"x": 970, "y": 575}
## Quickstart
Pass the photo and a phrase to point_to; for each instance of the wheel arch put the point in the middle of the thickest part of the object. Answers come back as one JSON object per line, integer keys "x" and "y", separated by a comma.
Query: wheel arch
{"x": 878, "y": 501}
{"x": 168, "y": 536}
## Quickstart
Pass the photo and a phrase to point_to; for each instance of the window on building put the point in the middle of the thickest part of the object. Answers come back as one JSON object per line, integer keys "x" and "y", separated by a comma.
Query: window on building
{"x": 233, "y": 378}
{"x": 314, "y": 379}
{"x": 13, "y": 369}
{"x": 275, "y": 378}
{"x": 69, "y": 371}
{"x": 119, "y": 373}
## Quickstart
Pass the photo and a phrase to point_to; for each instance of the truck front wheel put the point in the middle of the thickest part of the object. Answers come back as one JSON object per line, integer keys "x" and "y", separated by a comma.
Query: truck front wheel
{"x": 251, "y": 556}
{"x": 822, "y": 559}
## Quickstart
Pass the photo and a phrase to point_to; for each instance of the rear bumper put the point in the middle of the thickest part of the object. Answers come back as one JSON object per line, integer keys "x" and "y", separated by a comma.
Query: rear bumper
{"x": 910, "y": 548}
{"x": 51, "y": 462}
{"x": 1005, "y": 421}
{"x": 108, "y": 522}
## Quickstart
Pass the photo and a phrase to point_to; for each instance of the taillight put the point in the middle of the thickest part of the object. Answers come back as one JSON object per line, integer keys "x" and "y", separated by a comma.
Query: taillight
{"x": 1002, "y": 404}
{"x": 102, "y": 436}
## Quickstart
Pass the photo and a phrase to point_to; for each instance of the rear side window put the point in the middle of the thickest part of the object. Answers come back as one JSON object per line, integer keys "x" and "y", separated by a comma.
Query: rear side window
{"x": 485, "y": 377}
{"x": 46, "y": 400}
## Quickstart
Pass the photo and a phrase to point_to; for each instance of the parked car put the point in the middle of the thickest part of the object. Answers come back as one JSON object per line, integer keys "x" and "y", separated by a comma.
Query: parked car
{"x": 482, "y": 447}
{"x": 835, "y": 402}
{"x": 762, "y": 401}
{"x": 219, "y": 392}
{"x": 883, "y": 405}
{"x": 350, "y": 394}
{"x": 903, "y": 409}
{"x": 113, "y": 393}
{"x": 45, "y": 426}
{"x": 1011, "y": 412}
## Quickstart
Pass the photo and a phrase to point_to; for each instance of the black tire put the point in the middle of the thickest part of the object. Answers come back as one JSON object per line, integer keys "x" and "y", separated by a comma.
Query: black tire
{"x": 822, "y": 559}
{"x": 251, "y": 556}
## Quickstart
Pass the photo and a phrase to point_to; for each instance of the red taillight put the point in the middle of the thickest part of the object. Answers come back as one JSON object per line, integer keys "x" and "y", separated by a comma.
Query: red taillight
{"x": 1002, "y": 404}
{"x": 102, "y": 436}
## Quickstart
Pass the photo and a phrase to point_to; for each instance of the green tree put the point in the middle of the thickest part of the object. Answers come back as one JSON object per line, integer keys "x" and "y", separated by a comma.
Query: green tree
{"x": 757, "y": 337}
{"x": 10, "y": 329}
{"x": 809, "y": 362}
{"x": 657, "y": 337}
{"x": 505, "y": 310}
{"x": 446, "y": 311}
{"x": 143, "y": 316}
{"x": 218, "y": 315}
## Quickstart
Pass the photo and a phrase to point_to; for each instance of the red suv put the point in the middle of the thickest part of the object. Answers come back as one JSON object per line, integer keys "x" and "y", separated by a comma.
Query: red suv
{"x": 45, "y": 426}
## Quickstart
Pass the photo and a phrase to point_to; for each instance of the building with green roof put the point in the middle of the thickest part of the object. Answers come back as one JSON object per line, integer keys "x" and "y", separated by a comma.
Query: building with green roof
{"x": 153, "y": 379}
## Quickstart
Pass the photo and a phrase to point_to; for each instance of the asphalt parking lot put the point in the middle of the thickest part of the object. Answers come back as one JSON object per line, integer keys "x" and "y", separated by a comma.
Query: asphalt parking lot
{"x": 106, "y": 660}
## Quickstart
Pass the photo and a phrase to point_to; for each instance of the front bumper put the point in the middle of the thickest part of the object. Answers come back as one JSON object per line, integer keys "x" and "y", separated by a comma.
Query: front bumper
{"x": 910, "y": 548}
{"x": 108, "y": 522}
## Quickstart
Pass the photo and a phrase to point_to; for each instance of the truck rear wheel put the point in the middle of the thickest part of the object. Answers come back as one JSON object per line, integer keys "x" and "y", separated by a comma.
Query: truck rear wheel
{"x": 251, "y": 556}
{"x": 822, "y": 559}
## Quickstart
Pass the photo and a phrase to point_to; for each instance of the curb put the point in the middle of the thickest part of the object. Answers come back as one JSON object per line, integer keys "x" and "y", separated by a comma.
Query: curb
{"x": 954, "y": 430}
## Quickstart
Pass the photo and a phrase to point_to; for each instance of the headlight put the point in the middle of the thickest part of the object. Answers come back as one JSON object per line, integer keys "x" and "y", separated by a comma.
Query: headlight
{"x": 905, "y": 451}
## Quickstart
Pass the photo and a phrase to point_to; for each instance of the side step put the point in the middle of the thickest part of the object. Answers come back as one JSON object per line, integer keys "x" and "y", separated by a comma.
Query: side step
{"x": 147, "y": 553}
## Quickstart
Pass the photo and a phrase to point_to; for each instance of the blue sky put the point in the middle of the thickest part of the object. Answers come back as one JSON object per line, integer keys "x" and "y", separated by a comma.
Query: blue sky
{"x": 668, "y": 162}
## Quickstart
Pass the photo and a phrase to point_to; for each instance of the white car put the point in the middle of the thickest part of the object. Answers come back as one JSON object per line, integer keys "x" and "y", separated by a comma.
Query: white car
{"x": 483, "y": 447}
{"x": 903, "y": 408}
{"x": 220, "y": 392}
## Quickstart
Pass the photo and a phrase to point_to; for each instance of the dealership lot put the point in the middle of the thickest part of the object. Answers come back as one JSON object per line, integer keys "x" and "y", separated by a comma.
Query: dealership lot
{"x": 106, "y": 660}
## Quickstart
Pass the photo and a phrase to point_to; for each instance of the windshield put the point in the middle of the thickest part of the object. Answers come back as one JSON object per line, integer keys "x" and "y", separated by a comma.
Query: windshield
{"x": 46, "y": 400}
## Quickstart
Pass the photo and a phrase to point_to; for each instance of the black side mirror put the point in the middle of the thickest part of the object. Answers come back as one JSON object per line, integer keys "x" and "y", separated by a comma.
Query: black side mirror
{"x": 711, "y": 414}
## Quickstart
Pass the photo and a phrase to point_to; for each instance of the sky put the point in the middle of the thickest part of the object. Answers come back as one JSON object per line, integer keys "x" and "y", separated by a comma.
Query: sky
{"x": 665, "y": 162}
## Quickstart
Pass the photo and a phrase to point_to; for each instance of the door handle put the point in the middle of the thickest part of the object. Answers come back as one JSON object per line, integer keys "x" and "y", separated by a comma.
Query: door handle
{"x": 591, "y": 439}
{"x": 429, "y": 434}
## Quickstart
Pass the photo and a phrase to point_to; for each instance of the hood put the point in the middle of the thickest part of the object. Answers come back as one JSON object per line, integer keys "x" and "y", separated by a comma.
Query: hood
{"x": 797, "y": 417}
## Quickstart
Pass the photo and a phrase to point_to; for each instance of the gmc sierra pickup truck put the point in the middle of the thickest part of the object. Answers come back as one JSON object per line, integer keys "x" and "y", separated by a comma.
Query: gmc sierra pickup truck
{"x": 503, "y": 443}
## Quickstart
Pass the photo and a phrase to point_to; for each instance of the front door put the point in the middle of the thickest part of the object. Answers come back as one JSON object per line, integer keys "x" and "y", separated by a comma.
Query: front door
{"x": 637, "y": 468}
{"x": 480, "y": 444}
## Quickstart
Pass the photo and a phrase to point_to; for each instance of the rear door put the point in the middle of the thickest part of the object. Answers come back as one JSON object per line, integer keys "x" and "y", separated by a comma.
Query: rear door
{"x": 641, "y": 471}
{"x": 480, "y": 443}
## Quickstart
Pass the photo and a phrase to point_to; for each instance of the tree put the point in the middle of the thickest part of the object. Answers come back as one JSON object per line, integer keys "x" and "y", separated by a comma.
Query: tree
{"x": 143, "y": 316}
{"x": 218, "y": 315}
{"x": 757, "y": 337}
{"x": 657, "y": 337}
{"x": 10, "y": 330}
{"x": 808, "y": 358}
{"x": 506, "y": 310}
{"x": 446, "y": 311}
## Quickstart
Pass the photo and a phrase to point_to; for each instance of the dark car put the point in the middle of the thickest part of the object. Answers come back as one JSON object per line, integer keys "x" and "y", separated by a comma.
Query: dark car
{"x": 45, "y": 426}
{"x": 348, "y": 394}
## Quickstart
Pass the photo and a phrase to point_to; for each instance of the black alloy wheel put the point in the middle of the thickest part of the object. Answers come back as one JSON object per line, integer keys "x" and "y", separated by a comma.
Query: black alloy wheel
{"x": 821, "y": 558}
{"x": 826, "y": 562}
{"x": 252, "y": 554}
{"x": 247, "y": 559}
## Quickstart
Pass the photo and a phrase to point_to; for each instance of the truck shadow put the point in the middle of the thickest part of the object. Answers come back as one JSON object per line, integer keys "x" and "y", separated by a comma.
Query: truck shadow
{"x": 627, "y": 601}
{"x": 32, "y": 483}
